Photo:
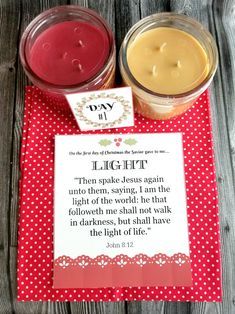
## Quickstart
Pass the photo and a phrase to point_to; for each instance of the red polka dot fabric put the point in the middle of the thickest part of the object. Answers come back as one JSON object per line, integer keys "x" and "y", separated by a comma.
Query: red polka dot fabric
{"x": 43, "y": 118}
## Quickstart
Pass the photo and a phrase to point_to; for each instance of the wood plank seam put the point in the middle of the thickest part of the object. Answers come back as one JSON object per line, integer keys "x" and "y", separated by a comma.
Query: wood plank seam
{"x": 11, "y": 161}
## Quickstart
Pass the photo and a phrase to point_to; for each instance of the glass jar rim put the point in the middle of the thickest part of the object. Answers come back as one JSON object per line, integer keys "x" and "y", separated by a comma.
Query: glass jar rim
{"x": 64, "y": 10}
{"x": 140, "y": 25}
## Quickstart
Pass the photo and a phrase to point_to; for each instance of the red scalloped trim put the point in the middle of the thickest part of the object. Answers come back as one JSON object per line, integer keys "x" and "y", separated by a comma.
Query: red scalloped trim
{"x": 122, "y": 270}
{"x": 121, "y": 260}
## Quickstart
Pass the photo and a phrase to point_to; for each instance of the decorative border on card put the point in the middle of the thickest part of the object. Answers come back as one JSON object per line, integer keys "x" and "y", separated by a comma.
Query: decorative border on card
{"x": 122, "y": 260}
{"x": 122, "y": 271}
{"x": 125, "y": 104}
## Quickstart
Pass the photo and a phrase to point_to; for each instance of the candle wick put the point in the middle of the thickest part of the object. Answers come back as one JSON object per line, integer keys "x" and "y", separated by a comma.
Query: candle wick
{"x": 76, "y": 29}
{"x": 154, "y": 70}
{"x": 178, "y": 64}
{"x": 80, "y": 42}
{"x": 76, "y": 63}
{"x": 162, "y": 47}
{"x": 80, "y": 67}
{"x": 65, "y": 55}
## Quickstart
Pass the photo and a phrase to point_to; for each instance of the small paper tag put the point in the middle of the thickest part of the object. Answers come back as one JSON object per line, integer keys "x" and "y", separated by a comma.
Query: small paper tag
{"x": 103, "y": 109}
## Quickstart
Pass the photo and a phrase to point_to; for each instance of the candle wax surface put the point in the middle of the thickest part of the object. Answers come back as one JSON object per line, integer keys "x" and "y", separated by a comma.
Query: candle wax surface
{"x": 69, "y": 53}
{"x": 167, "y": 61}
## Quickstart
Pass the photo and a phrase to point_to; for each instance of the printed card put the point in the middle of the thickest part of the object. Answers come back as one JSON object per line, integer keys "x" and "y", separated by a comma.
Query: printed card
{"x": 120, "y": 214}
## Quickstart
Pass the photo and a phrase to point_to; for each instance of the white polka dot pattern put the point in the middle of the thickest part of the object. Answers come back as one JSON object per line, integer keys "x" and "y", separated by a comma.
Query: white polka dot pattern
{"x": 43, "y": 119}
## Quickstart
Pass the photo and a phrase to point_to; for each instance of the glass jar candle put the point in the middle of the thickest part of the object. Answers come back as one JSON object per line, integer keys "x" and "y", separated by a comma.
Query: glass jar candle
{"x": 169, "y": 60}
{"x": 68, "y": 49}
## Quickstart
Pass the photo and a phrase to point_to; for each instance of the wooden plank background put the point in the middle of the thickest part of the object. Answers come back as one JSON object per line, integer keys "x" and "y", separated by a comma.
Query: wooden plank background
{"x": 219, "y": 17}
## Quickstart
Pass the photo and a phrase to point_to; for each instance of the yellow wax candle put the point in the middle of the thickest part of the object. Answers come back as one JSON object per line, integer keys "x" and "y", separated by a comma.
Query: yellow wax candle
{"x": 167, "y": 61}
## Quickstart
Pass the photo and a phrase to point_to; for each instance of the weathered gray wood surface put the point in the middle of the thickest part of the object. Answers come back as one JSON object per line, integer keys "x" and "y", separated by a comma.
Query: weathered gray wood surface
{"x": 219, "y": 16}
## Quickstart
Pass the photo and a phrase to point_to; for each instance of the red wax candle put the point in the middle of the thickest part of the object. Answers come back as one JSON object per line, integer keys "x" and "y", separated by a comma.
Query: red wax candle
{"x": 69, "y": 53}
{"x": 68, "y": 49}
